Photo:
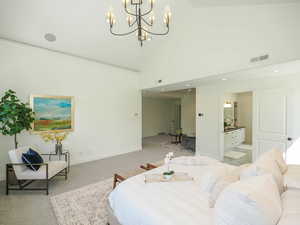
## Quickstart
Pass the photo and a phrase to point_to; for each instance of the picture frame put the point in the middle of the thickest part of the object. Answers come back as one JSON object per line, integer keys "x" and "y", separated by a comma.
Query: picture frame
{"x": 52, "y": 113}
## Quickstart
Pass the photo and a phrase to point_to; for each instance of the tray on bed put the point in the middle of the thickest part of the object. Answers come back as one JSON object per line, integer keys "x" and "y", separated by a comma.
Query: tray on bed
{"x": 177, "y": 177}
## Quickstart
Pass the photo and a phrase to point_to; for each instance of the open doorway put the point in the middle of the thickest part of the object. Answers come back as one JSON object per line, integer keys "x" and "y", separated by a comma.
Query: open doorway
{"x": 237, "y": 135}
{"x": 169, "y": 121}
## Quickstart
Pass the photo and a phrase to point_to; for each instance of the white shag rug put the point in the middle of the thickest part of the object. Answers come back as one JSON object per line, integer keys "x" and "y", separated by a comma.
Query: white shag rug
{"x": 83, "y": 206}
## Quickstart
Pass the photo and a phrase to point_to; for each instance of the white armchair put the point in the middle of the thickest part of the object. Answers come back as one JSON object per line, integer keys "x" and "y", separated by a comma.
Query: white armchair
{"x": 26, "y": 176}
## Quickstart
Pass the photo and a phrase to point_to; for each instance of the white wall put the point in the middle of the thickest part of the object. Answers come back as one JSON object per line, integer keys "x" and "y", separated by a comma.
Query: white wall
{"x": 106, "y": 99}
{"x": 210, "y": 102}
{"x": 245, "y": 114}
{"x": 188, "y": 114}
{"x": 217, "y": 40}
{"x": 158, "y": 115}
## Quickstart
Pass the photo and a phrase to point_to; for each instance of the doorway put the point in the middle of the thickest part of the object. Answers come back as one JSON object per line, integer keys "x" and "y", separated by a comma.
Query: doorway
{"x": 237, "y": 133}
{"x": 169, "y": 120}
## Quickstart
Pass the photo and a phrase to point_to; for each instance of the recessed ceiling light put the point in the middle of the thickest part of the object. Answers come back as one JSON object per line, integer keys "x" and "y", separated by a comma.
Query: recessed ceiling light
{"x": 224, "y": 79}
{"x": 50, "y": 37}
{"x": 276, "y": 71}
{"x": 188, "y": 85}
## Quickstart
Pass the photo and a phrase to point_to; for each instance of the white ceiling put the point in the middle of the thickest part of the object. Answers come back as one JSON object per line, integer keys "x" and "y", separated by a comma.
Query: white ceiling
{"x": 169, "y": 94}
{"x": 79, "y": 25}
{"x": 81, "y": 29}
{"x": 202, "y": 3}
{"x": 279, "y": 70}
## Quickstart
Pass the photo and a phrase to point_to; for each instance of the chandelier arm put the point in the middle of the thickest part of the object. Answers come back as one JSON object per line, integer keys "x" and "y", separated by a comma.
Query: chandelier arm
{"x": 128, "y": 12}
{"x": 146, "y": 13}
{"x": 130, "y": 25}
{"x": 145, "y": 21}
{"x": 165, "y": 33}
{"x": 123, "y": 34}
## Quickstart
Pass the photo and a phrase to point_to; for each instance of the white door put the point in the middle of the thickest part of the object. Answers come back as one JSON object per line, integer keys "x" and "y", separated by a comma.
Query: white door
{"x": 275, "y": 121}
{"x": 293, "y": 118}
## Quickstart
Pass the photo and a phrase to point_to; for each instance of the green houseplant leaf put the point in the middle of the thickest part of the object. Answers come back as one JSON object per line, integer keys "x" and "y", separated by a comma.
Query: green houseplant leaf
{"x": 15, "y": 116}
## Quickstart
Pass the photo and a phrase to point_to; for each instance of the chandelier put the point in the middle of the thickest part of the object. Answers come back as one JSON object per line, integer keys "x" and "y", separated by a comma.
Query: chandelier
{"x": 138, "y": 20}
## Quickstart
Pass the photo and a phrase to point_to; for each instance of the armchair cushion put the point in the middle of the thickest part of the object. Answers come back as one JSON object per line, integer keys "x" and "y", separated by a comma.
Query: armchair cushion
{"x": 32, "y": 157}
{"x": 54, "y": 167}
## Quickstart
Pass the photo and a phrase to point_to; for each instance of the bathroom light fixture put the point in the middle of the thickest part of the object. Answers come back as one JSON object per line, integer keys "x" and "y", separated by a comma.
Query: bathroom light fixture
{"x": 227, "y": 104}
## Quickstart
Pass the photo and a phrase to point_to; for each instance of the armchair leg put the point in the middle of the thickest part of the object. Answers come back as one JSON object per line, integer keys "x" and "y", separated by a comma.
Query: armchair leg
{"x": 7, "y": 180}
{"x": 66, "y": 174}
{"x": 47, "y": 187}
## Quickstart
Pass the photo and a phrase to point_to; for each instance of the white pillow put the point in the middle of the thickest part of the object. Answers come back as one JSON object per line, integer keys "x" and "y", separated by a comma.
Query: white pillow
{"x": 221, "y": 184}
{"x": 210, "y": 178}
{"x": 263, "y": 166}
{"x": 277, "y": 155}
{"x": 254, "y": 201}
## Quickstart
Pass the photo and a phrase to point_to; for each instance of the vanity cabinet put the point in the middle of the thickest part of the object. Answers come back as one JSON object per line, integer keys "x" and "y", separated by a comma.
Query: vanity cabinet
{"x": 234, "y": 138}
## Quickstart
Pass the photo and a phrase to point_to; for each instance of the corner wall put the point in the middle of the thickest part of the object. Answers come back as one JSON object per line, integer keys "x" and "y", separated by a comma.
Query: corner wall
{"x": 158, "y": 114}
{"x": 106, "y": 100}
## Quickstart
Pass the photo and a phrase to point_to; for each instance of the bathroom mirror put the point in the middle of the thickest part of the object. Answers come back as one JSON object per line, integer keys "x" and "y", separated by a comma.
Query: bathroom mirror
{"x": 229, "y": 114}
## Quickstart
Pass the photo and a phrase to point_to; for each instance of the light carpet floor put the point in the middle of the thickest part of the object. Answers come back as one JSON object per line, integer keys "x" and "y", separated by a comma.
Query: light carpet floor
{"x": 83, "y": 206}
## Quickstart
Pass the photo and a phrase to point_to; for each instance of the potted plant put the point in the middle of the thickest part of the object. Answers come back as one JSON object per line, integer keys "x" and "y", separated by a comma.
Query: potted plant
{"x": 169, "y": 173}
{"x": 15, "y": 116}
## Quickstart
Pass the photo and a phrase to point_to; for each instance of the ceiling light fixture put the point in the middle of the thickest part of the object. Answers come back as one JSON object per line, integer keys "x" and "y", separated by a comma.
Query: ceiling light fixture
{"x": 139, "y": 21}
{"x": 50, "y": 37}
{"x": 224, "y": 79}
{"x": 276, "y": 71}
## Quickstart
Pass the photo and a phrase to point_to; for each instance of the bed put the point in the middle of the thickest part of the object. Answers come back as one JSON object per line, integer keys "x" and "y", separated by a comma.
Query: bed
{"x": 248, "y": 199}
{"x": 135, "y": 203}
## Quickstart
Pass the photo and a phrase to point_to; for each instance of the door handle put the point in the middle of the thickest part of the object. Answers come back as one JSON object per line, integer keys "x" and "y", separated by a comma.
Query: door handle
{"x": 290, "y": 139}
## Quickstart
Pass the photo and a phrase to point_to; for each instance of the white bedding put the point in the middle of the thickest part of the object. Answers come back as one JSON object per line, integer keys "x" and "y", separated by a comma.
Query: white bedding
{"x": 291, "y": 207}
{"x": 179, "y": 203}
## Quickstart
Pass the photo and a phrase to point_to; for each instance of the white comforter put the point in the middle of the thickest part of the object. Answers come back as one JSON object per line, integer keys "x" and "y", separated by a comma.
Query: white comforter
{"x": 175, "y": 203}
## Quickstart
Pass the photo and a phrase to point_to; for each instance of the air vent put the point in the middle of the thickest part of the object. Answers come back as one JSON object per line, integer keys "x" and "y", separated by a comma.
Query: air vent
{"x": 259, "y": 58}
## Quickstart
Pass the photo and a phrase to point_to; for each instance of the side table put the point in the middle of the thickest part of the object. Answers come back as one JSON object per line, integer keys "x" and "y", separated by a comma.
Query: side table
{"x": 66, "y": 154}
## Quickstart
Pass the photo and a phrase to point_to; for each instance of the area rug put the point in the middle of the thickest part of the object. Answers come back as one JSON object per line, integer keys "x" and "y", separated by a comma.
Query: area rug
{"x": 83, "y": 206}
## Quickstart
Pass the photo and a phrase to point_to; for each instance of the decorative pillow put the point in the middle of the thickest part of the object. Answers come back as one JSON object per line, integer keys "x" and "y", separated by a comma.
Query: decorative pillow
{"x": 32, "y": 157}
{"x": 277, "y": 156}
{"x": 210, "y": 178}
{"x": 238, "y": 170}
{"x": 263, "y": 166}
{"x": 221, "y": 184}
{"x": 254, "y": 201}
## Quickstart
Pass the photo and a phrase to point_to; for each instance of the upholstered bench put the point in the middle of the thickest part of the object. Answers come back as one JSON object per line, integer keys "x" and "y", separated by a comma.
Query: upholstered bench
{"x": 119, "y": 177}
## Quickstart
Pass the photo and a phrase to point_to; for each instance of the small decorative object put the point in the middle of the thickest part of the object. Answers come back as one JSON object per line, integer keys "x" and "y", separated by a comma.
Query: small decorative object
{"x": 52, "y": 113}
{"x": 15, "y": 116}
{"x": 56, "y": 136}
{"x": 168, "y": 174}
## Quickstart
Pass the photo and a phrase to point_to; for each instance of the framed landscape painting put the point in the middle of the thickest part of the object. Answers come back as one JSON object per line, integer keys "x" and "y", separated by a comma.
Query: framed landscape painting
{"x": 52, "y": 113}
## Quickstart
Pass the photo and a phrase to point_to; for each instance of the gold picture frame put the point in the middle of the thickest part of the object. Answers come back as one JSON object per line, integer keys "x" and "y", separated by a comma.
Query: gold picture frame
{"x": 52, "y": 113}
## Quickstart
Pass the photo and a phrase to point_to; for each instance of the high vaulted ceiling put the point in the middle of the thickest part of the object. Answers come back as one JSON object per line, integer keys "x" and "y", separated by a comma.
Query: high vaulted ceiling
{"x": 202, "y": 3}
{"x": 79, "y": 25}
{"x": 81, "y": 29}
